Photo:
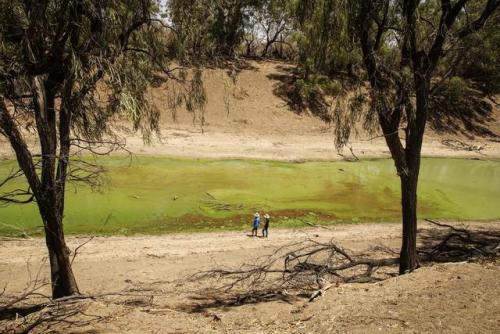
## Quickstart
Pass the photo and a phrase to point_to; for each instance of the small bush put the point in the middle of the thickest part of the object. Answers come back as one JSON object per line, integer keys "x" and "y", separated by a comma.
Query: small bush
{"x": 317, "y": 85}
{"x": 455, "y": 88}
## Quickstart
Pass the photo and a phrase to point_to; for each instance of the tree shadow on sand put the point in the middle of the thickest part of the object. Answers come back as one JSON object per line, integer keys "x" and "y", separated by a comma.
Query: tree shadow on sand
{"x": 286, "y": 88}
{"x": 306, "y": 269}
{"x": 468, "y": 114}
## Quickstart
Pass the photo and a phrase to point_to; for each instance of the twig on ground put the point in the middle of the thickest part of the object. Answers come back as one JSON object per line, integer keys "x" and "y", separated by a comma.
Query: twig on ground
{"x": 458, "y": 145}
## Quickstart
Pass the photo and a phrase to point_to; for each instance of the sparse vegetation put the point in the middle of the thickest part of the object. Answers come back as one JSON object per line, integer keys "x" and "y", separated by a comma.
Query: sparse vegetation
{"x": 83, "y": 79}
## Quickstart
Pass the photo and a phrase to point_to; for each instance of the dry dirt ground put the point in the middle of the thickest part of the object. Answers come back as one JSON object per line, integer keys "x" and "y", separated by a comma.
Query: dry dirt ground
{"x": 152, "y": 271}
{"x": 251, "y": 119}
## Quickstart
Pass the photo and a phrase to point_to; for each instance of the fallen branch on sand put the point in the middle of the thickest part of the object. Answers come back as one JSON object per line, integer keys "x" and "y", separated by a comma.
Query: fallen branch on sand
{"x": 64, "y": 316}
{"x": 458, "y": 145}
{"x": 23, "y": 313}
{"x": 218, "y": 205}
{"x": 309, "y": 268}
{"x": 353, "y": 157}
{"x": 320, "y": 292}
{"x": 31, "y": 309}
{"x": 460, "y": 244}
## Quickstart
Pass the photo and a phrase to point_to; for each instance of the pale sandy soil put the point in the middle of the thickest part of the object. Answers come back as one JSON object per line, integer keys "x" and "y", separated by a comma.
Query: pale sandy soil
{"x": 249, "y": 119}
{"x": 442, "y": 298}
{"x": 186, "y": 143}
{"x": 190, "y": 142}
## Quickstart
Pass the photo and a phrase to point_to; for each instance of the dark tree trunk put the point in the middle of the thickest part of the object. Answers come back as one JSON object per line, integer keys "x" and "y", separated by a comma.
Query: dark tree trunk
{"x": 409, "y": 181}
{"x": 63, "y": 280}
{"x": 422, "y": 65}
{"x": 51, "y": 206}
{"x": 269, "y": 42}
{"x": 266, "y": 49}
{"x": 248, "y": 48}
{"x": 408, "y": 255}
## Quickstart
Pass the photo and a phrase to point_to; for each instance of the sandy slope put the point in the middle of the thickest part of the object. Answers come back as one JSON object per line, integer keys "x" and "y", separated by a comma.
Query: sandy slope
{"x": 250, "y": 119}
{"x": 445, "y": 298}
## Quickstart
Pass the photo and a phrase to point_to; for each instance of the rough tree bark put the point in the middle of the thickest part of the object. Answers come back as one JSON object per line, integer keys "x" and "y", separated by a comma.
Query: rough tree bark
{"x": 63, "y": 280}
{"x": 414, "y": 138}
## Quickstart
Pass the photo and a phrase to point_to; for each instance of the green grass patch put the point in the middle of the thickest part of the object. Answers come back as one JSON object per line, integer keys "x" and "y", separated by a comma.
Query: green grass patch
{"x": 163, "y": 195}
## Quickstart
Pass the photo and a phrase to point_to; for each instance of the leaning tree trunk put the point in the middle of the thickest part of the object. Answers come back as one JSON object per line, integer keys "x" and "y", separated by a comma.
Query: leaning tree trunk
{"x": 266, "y": 49}
{"x": 63, "y": 280}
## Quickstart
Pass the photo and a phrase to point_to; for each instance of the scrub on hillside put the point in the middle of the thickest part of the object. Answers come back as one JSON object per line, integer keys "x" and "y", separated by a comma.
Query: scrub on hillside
{"x": 256, "y": 223}
{"x": 265, "y": 230}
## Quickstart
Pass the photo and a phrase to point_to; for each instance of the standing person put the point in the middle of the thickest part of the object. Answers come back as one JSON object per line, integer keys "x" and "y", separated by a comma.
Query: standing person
{"x": 265, "y": 230}
{"x": 256, "y": 223}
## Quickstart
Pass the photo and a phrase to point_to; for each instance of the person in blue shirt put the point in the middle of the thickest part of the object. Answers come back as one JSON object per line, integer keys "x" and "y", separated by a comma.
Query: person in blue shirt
{"x": 256, "y": 223}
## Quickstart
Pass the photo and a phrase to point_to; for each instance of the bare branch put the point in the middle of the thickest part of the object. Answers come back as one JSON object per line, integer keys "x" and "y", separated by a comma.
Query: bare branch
{"x": 15, "y": 196}
{"x": 474, "y": 26}
{"x": 309, "y": 267}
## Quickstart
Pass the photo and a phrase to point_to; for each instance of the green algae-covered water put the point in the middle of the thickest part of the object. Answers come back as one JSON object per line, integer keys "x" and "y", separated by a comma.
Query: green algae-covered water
{"x": 159, "y": 195}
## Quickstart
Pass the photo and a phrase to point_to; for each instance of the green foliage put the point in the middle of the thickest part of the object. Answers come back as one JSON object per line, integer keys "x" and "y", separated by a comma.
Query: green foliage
{"x": 397, "y": 54}
{"x": 317, "y": 85}
{"x": 454, "y": 107}
{"x": 209, "y": 28}
{"x": 324, "y": 36}
{"x": 272, "y": 22}
{"x": 99, "y": 57}
{"x": 455, "y": 88}
{"x": 327, "y": 58}
{"x": 480, "y": 61}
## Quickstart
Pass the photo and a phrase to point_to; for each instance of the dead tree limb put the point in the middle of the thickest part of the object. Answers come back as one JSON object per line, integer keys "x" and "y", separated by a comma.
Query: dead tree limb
{"x": 452, "y": 244}
{"x": 33, "y": 310}
{"x": 308, "y": 268}
{"x": 458, "y": 145}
